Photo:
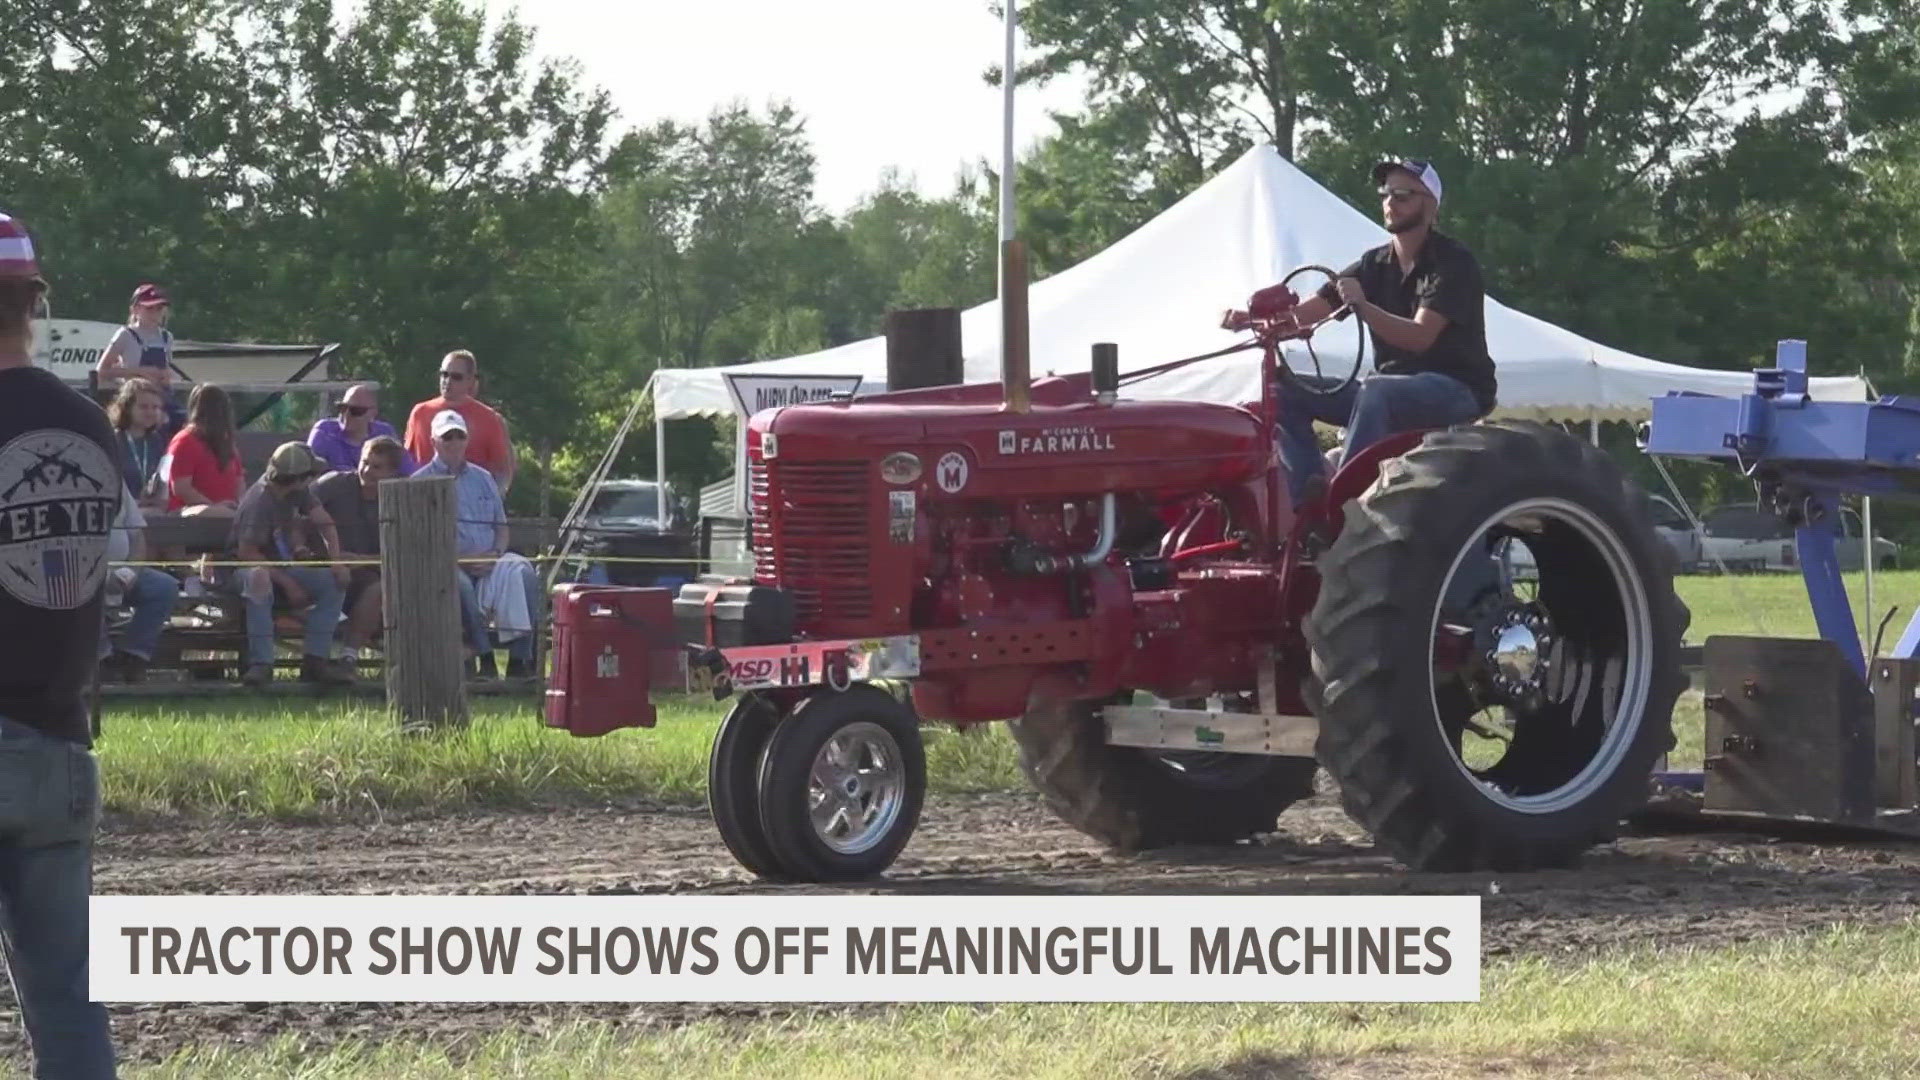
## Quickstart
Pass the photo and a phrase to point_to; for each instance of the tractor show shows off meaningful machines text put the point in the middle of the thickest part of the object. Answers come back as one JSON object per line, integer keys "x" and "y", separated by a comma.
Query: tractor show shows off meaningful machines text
{"x": 1178, "y": 652}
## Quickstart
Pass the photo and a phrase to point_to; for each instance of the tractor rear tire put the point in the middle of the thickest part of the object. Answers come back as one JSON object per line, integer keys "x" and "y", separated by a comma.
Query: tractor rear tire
{"x": 1133, "y": 799}
{"x": 1384, "y": 714}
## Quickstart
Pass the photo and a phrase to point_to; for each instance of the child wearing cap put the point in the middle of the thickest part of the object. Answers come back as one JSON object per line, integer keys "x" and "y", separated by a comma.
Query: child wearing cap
{"x": 144, "y": 347}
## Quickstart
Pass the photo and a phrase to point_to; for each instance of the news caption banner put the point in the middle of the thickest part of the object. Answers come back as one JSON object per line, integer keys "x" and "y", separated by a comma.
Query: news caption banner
{"x": 785, "y": 948}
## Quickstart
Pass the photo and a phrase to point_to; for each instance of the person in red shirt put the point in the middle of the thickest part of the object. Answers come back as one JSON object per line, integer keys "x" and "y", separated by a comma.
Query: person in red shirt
{"x": 487, "y": 443}
{"x": 203, "y": 473}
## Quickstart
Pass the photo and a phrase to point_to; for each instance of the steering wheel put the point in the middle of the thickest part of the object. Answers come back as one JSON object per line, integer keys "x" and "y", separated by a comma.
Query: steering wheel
{"x": 1305, "y": 335}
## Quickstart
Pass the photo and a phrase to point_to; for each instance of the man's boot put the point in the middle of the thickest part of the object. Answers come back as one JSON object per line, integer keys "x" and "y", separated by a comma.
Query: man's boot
{"x": 321, "y": 669}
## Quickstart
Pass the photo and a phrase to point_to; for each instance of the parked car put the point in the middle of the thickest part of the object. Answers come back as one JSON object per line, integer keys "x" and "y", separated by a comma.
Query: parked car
{"x": 1668, "y": 522}
{"x": 630, "y": 519}
{"x": 1744, "y": 536}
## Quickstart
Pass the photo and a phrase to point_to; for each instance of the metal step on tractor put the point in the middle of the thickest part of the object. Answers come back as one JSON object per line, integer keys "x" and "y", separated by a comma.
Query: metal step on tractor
{"x": 1176, "y": 651}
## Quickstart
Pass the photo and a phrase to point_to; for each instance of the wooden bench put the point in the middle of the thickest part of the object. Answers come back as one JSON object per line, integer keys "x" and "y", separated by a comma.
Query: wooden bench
{"x": 206, "y": 638}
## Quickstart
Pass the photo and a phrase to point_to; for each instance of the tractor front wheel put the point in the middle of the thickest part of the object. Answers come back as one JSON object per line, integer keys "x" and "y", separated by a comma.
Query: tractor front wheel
{"x": 841, "y": 784}
{"x": 1476, "y": 722}
{"x": 1134, "y": 799}
{"x": 733, "y": 783}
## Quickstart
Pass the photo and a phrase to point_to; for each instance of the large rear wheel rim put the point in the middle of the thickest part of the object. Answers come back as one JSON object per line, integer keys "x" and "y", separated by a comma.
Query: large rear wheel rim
{"x": 1574, "y": 708}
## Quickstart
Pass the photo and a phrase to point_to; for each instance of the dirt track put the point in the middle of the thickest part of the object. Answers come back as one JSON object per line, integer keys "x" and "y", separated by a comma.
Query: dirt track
{"x": 1644, "y": 889}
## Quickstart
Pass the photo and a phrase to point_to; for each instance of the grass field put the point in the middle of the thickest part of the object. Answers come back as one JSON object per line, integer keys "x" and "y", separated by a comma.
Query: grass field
{"x": 1836, "y": 1004}
{"x": 294, "y": 760}
{"x": 308, "y": 760}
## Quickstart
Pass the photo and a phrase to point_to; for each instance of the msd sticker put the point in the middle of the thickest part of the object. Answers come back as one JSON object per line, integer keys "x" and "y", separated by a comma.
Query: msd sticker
{"x": 951, "y": 472}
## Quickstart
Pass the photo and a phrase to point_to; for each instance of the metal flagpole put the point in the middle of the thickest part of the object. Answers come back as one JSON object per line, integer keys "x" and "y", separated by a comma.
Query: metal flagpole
{"x": 1006, "y": 135}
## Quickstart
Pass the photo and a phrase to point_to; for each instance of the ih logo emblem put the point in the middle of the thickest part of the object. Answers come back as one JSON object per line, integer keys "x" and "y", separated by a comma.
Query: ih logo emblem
{"x": 1006, "y": 442}
{"x": 607, "y": 664}
{"x": 951, "y": 472}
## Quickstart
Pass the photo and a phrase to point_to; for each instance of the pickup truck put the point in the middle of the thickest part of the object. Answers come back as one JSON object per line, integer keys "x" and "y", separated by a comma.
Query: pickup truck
{"x": 1746, "y": 537}
{"x": 1687, "y": 545}
{"x": 628, "y": 519}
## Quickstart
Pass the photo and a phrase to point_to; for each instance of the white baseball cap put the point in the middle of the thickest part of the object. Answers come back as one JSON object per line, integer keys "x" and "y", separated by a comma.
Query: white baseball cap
{"x": 448, "y": 420}
{"x": 1421, "y": 169}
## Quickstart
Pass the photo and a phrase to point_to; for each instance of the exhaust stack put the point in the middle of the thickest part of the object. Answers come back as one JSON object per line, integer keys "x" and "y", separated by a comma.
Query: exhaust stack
{"x": 1015, "y": 381}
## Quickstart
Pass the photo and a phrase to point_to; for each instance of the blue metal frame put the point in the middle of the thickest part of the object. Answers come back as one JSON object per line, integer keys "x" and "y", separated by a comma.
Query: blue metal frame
{"x": 1807, "y": 454}
{"x": 1810, "y": 453}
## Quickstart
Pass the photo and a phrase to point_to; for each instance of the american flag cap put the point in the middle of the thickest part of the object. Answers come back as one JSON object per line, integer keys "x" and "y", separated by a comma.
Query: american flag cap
{"x": 17, "y": 262}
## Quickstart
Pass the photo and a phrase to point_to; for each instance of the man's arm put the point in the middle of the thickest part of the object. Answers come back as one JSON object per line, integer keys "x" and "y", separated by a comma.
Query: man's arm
{"x": 505, "y": 478}
{"x": 1415, "y": 335}
{"x": 1449, "y": 293}
{"x": 330, "y": 537}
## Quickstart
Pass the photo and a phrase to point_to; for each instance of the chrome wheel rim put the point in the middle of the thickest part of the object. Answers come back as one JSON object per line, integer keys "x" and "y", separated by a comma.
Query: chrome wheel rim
{"x": 856, "y": 788}
{"x": 1569, "y": 667}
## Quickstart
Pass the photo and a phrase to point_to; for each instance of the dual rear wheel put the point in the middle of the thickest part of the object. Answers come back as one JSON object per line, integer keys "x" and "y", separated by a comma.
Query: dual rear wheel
{"x": 831, "y": 792}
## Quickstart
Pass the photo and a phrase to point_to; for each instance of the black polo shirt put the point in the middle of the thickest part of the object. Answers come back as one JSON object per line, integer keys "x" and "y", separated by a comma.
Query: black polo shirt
{"x": 1445, "y": 277}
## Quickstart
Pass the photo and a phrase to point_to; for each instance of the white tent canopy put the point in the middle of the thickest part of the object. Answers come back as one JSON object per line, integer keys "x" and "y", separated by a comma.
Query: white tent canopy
{"x": 1159, "y": 292}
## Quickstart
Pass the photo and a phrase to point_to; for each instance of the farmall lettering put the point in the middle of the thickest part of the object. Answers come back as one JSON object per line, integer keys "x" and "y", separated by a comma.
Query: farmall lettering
{"x": 1062, "y": 440}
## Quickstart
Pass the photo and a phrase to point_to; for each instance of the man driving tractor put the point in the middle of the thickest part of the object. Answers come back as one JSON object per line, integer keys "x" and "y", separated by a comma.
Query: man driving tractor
{"x": 1422, "y": 299}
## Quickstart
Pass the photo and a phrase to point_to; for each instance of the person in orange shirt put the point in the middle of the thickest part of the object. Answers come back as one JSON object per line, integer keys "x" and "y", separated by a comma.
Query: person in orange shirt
{"x": 487, "y": 443}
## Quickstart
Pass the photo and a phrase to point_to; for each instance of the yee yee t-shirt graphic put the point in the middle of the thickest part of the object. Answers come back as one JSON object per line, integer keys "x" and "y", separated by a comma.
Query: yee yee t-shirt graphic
{"x": 58, "y": 494}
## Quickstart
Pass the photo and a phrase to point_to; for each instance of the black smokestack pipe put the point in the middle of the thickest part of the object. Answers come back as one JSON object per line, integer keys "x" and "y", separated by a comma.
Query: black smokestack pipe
{"x": 1106, "y": 371}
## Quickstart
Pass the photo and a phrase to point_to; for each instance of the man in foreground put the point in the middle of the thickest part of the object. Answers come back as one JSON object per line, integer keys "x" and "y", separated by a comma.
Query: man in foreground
{"x": 493, "y": 582}
{"x": 1423, "y": 301}
{"x": 60, "y": 487}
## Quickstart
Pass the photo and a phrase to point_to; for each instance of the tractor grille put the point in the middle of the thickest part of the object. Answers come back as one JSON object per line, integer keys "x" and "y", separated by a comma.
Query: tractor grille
{"x": 810, "y": 536}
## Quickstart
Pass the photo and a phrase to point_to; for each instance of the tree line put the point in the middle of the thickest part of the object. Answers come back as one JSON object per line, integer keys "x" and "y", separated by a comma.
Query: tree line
{"x": 1685, "y": 179}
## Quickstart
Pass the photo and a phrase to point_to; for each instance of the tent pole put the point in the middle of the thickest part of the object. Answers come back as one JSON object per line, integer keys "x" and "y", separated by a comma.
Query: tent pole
{"x": 1593, "y": 426}
{"x": 659, "y": 459}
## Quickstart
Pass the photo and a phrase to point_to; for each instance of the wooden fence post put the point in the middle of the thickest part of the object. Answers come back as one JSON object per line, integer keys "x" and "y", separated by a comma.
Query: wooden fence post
{"x": 426, "y": 685}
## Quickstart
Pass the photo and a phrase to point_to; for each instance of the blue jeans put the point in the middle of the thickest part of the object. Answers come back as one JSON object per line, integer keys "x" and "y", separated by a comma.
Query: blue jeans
{"x": 151, "y": 596}
{"x": 1370, "y": 409}
{"x": 49, "y": 803}
{"x": 473, "y": 623}
{"x": 323, "y": 620}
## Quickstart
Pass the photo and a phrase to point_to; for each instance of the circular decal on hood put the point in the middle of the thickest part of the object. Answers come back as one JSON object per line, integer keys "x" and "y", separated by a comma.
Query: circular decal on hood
{"x": 900, "y": 467}
{"x": 951, "y": 472}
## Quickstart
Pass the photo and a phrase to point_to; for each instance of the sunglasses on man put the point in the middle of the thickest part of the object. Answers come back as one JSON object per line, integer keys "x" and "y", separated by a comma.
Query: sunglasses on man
{"x": 453, "y": 435}
{"x": 1400, "y": 194}
{"x": 356, "y": 410}
{"x": 453, "y": 376}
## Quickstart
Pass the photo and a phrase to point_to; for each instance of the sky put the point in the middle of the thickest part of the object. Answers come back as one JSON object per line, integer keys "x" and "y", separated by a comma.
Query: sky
{"x": 880, "y": 83}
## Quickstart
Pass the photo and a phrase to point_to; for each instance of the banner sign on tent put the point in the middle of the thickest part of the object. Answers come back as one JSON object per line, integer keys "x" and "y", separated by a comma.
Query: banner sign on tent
{"x": 752, "y": 393}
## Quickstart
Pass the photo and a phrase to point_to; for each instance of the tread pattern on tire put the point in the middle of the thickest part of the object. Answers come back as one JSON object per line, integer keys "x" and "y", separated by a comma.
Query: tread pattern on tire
{"x": 1118, "y": 796}
{"x": 1368, "y": 596}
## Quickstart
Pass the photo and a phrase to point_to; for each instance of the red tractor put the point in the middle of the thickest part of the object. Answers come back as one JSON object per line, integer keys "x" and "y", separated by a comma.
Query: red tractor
{"x": 1177, "y": 652}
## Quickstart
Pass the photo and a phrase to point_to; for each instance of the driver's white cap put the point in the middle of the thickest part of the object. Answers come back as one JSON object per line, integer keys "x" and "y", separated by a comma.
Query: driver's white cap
{"x": 1422, "y": 169}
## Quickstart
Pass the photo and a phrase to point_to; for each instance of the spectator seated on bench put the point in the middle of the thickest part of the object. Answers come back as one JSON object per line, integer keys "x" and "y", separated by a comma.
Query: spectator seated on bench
{"x": 352, "y": 500}
{"x": 279, "y": 521}
{"x": 149, "y": 592}
{"x": 496, "y": 585}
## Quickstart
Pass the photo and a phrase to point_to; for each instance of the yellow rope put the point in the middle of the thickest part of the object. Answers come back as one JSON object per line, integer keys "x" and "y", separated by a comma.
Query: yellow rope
{"x": 203, "y": 563}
